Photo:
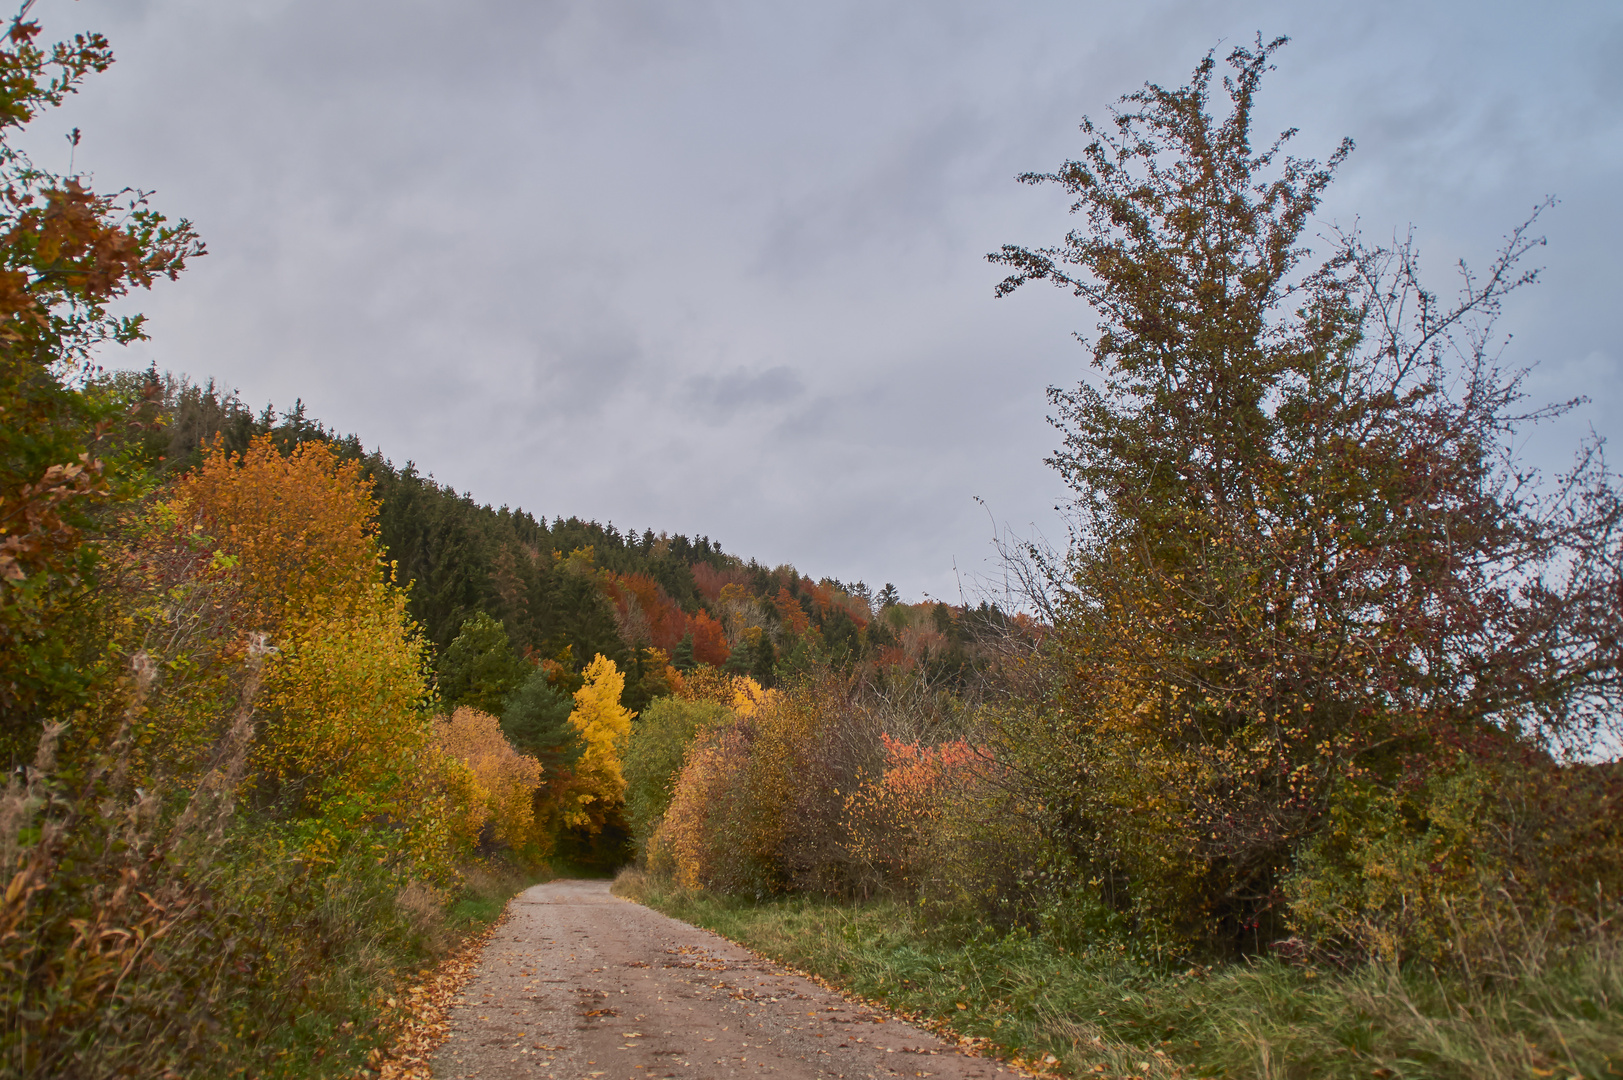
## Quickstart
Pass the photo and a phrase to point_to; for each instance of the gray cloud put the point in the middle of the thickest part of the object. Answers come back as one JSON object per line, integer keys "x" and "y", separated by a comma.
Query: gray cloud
{"x": 718, "y": 398}
{"x": 543, "y": 248}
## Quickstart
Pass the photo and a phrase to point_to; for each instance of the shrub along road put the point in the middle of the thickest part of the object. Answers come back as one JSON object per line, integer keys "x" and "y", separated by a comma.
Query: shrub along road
{"x": 579, "y": 983}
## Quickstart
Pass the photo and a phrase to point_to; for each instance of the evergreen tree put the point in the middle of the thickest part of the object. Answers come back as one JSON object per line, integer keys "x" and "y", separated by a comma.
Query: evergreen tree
{"x": 880, "y": 634}
{"x": 763, "y": 665}
{"x": 573, "y": 613}
{"x": 535, "y": 719}
{"x": 842, "y": 638}
{"x": 480, "y": 669}
{"x": 740, "y": 659}
{"x": 682, "y": 655}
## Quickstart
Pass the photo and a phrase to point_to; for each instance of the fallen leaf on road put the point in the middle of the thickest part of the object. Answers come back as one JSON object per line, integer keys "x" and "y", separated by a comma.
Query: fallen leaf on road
{"x": 421, "y": 1023}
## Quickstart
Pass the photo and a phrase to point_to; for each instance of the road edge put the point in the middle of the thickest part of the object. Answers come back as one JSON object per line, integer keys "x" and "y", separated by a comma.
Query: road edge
{"x": 969, "y": 1044}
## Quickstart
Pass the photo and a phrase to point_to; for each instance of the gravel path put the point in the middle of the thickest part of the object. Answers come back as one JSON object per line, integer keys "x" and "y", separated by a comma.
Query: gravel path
{"x": 581, "y": 984}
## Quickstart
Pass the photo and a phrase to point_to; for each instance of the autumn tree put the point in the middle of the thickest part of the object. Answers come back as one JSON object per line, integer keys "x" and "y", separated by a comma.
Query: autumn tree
{"x": 1305, "y": 561}
{"x": 343, "y": 743}
{"x": 66, "y": 254}
{"x": 501, "y": 780}
{"x": 791, "y": 615}
{"x": 300, "y": 524}
{"x": 648, "y": 614}
{"x": 342, "y": 739}
{"x": 605, "y": 728}
{"x": 709, "y": 639}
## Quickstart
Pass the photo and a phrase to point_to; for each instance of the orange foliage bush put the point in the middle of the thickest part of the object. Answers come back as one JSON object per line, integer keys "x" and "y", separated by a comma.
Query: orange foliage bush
{"x": 894, "y": 821}
{"x": 501, "y": 782}
{"x": 736, "y": 793}
{"x": 691, "y": 842}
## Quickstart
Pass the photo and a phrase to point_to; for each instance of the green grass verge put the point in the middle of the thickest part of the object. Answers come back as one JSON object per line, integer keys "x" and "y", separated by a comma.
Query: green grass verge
{"x": 1100, "y": 1011}
{"x": 344, "y": 1021}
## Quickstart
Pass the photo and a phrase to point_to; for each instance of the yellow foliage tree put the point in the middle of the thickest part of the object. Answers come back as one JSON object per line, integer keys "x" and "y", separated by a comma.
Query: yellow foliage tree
{"x": 605, "y": 727}
{"x": 739, "y": 693}
{"x": 343, "y": 740}
{"x": 343, "y": 732}
{"x": 750, "y": 697}
{"x": 502, "y": 781}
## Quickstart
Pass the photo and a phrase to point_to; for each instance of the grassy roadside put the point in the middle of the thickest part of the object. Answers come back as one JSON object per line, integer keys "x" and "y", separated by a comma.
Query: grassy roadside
{"x": 354, "y": 1020}
{"x": 1103, "y": 1012}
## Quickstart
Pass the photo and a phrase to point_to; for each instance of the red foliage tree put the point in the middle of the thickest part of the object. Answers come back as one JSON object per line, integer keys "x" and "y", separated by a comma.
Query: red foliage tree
{"x": 666, "y": 622}
{"x": 711, "y": 581}
{"x": 795, "y": 619}
{"x": 709, "y": 640}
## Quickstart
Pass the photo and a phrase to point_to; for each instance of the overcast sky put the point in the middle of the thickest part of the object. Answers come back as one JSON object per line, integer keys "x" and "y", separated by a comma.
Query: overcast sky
{"x": 718, "y": 267}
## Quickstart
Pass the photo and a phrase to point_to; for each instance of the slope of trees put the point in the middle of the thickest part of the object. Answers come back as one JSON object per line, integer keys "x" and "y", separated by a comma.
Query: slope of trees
{"x": 566, "y": 590}
{"x": 517, "y": 610}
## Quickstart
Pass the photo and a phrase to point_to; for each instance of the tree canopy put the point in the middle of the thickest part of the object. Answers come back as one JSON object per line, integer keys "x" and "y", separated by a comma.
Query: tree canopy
{"x": 1305, "y": 555}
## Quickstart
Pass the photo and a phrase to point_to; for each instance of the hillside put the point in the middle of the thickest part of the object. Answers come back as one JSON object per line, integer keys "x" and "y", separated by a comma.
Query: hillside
{"x": 567, "y": 590}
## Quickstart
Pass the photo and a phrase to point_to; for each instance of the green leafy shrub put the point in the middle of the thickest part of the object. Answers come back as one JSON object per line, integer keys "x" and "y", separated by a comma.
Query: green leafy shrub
{"x": 660, "y": 739}
{"x": 1473, "y": 868}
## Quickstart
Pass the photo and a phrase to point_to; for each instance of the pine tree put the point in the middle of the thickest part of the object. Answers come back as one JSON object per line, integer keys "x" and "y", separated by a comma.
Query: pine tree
{"x": 764, "y": 665}
{"x": 535, "y": 718}
{"x": 682, "y": 655}
{"x": 480, "y": 669}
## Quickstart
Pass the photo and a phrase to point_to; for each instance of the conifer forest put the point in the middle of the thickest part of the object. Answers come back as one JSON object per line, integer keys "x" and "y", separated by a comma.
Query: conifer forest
{"x": 1300, "y": 758}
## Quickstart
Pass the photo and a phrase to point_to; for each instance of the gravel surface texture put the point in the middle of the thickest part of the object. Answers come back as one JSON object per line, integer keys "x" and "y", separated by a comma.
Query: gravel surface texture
{"x": 579, "y": 983}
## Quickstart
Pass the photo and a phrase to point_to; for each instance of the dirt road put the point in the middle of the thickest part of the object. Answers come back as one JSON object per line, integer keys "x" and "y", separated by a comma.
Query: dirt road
{"x": 581, "y": 984}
